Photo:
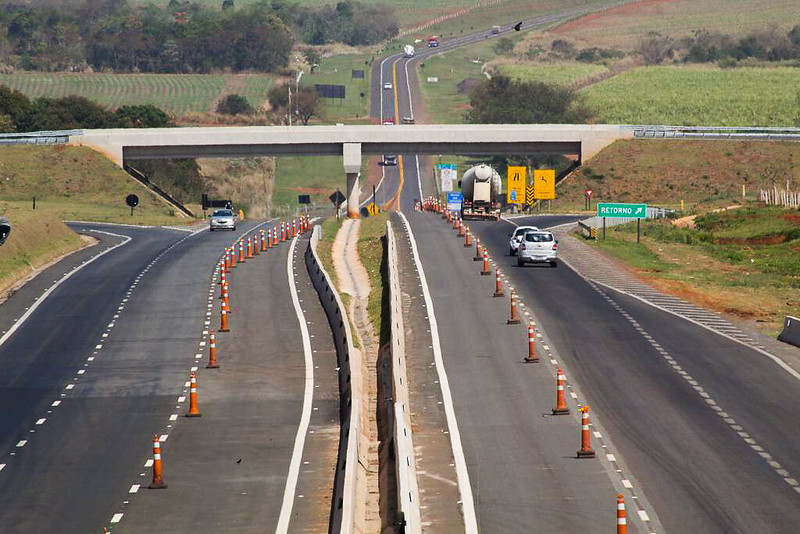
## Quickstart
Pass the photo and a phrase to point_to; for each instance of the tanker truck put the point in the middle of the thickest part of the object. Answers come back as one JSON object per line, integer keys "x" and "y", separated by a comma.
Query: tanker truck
{"x": 408, "y": 51}
{"x": 482, "y": 188}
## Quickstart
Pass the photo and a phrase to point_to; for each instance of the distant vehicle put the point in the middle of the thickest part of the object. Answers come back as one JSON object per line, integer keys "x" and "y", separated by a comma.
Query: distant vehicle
{"x": 390, "y": 160}
{"x": 495, "y": 30}
{"x": 538, "y": 247}
{"x": 222, "y": 220}
{"x": 387, "y": 85}
{"x": 388, "y": 120}
{"x": 481, "y": 187}
{"x": 408, "y": 51}
{"x": 5, "y": 229}
{"x": 408, "y": 120}
{"x": 516, "y": 237}
{"x": 433, "y": 42}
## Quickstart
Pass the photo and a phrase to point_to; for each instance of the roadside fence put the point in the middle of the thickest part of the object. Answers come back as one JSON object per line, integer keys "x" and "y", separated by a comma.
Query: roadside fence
{"x": 780, "y": 197}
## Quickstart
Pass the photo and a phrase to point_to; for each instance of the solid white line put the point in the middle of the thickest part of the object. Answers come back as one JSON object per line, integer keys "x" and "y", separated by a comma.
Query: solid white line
{"x": 60, "y": 281}
{"x": 464, "y": 488}
{"x": 308, "y": 397}
{"x": 783, "y": 365}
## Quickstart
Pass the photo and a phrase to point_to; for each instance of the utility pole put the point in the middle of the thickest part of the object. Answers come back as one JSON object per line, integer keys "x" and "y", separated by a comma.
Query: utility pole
{"x": 289, "y": 110}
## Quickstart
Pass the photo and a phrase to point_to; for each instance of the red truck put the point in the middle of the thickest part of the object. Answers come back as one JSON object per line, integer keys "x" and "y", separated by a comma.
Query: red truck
{"x": 433, "y": 42}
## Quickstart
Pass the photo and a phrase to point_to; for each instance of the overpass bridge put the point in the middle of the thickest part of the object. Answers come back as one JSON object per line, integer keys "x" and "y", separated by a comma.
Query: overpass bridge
{"x": 351, "y": 142}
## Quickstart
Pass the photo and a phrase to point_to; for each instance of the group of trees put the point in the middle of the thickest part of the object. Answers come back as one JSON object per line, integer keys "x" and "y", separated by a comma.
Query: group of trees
{"x": 19, "y": 114}
{"x": 74, "y": 35}
{"x": 711, "y": 47}
{"x": 501, "y": 100}
{"x": 305, "y": 102}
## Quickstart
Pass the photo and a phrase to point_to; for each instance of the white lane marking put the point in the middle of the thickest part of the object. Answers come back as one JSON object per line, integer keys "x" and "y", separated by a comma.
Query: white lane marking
{"x": 308, "y": 397}
{"x": 60, "y": 281}
{"x": 22, "y": 443}
{"x": 134, "y": 488}
{"x": 116, "y": 518}
{"x": 41, "y": 421}
{"x": 464, "y": 488}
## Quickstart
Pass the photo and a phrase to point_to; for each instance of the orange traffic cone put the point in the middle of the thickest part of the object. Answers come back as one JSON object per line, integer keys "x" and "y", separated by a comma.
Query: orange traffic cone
{"x": 263, "y": 241}
{"x": 460, "y": 228}
{"x": 478, "y": 255}
{"x": 212, "y": 352}
{"x": 294, "y": 228}
{"x": 256, "y": 252}
{"x": 498, "y": 284}
{"x": 233, "y": 256}
{"x": 467, "y": 240}
{"x": 485, "y": 271}
{"x": 249, "y": 248}
{"x": 227, "y": 260}
{"x": 586, "y": 439}
{"x": 514, "y": 317}
{"x": 223, "y": 321}
{"x": 622, "y": 522}
{"x": 222, "y": 276}
{"x": 226, "y": 299}
{"x": 561, "y": 399}
{"x": 531, "y": 358}
{"x": 241, "y": 251}
{"x": 158, "y": 478}
{"x": 275, "y": 235}
{"x": 283, "y": 232}
{"x": 193, "y": 411}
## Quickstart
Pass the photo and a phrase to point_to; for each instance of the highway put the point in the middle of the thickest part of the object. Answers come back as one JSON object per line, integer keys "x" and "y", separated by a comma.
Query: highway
{"x": 94, "y": 372}
{"x": 701, "y": 425}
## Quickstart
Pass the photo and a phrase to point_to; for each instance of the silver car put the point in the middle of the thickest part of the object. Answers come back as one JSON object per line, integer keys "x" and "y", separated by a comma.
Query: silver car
{"x": 538, "y": 247}
{"x": 516, "y": 237}
{"x": 222, "y": 220}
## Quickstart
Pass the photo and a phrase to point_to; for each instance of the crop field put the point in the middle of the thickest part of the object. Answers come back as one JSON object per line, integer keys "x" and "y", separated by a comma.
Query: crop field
{"x": 177, "y": 94}
{"x": 338, "y": 70}
{"x": 699, "y": 96}
{"x": 565, "y": 73}
{"x": 678, "y": 18}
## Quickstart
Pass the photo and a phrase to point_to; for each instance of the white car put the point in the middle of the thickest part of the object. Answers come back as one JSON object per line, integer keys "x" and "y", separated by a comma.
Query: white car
{"x": 517, "y": 236}
{"x": 538, "y": 247}
{"x": 387, "y": 85}
{"x": 222, "y": 219}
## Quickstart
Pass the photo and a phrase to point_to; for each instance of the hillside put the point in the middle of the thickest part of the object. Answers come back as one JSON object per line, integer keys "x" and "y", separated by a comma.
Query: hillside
{"x": 75, "y": 183}
{"x": 678, "y": 18}
{"x": 665, "y": 172}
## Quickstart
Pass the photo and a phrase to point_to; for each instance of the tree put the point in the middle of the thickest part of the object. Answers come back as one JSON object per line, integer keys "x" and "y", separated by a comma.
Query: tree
{"x": 308, "y": 104}
{"x": 278, "y": 96}
{"x": 312, "y": 56}
{"x": 71, "y": 112}
{"x": 13, "y": 103}
{"x": 7, "y": 124}
{"x": 655, "y": 48}
{"x": 145, "y": 116}
{"x": 503, "y": 46}
{"x": 234, "y": 105}
{"x": 503, "y": 100}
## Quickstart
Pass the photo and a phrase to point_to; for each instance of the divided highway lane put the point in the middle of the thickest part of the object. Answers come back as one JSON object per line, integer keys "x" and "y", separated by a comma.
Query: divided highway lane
{"x": 93, "y": 371}
{"x": 705, "y": 423}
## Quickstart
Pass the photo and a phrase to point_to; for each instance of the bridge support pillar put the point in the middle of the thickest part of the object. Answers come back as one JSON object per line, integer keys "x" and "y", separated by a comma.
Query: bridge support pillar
{"x": 351, "y": 154}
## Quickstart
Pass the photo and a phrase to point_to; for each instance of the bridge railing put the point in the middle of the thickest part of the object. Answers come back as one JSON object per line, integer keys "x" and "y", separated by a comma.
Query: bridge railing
{"x": 779, "y": 133}
{"x": 58, "y": 137}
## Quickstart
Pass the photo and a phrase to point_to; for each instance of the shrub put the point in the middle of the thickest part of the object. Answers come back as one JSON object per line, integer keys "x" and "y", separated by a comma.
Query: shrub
{"x": 234, "y": 105}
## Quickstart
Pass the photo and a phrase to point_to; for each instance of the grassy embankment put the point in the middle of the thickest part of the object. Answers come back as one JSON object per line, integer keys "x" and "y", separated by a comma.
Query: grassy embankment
{"x": 372, "y": 249}
{"x": 76, "y": 183}
{"x": 742, "y": 262}
{"x": 36, "y": 239}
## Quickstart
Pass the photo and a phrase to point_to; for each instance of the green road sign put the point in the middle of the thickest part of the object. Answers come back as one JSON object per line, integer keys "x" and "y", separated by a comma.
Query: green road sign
{"x": 631, "y": 211}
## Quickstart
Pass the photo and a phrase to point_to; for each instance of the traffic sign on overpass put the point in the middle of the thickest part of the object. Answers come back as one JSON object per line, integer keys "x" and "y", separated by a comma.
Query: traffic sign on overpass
{"x": 630, "y": 211}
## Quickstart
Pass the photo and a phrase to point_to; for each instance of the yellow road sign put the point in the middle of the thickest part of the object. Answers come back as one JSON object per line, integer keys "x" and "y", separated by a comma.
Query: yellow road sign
{"x": 373, "y": 208}
{"x": 544, "y": 184}
{"x": 516, "y": 184}
{"x": 530, "y": 198}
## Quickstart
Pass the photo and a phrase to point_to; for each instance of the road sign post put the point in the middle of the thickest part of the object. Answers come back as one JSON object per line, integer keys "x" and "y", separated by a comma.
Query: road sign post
{"x": 622, "y": 211}
{"x": 516, "y": 184}
{"x": 454, "y": 201}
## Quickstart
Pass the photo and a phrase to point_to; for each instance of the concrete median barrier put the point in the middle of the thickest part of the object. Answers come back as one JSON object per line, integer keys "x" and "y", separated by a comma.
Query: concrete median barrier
{"x": 408, "y": 502}
{"x": 343, "y": 503}
{"x": 791, "y": 331}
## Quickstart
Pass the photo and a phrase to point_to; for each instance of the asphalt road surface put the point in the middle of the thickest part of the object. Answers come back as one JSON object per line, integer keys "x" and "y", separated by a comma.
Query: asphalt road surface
{"x": 94, "y": 372}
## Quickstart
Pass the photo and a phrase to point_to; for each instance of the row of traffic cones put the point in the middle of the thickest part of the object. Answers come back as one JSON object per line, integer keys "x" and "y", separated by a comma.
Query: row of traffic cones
{"x": 481, "y": 254}
{"x": 247, "y": 248}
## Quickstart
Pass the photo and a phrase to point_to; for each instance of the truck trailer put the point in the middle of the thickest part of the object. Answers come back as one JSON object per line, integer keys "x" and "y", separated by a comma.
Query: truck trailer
{"x": 482, "y": 189}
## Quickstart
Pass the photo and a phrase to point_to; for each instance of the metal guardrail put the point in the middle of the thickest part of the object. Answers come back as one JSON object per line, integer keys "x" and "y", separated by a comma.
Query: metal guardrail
{"x": 408, "y": 500}
{"x": 787, "y": 133}
{"x": 57, "y": 137}
{"x": 344, "y": 485}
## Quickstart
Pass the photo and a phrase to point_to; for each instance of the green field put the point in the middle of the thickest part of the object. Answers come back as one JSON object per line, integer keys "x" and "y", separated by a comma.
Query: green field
{"x": 565, "y": 73}
{"x": 699, "y": 96}
{"x": 177, "y": 94}
{"x": 318, "y": 176}
{"x": 338, "y": 70}
{"x": 679, "y": 18}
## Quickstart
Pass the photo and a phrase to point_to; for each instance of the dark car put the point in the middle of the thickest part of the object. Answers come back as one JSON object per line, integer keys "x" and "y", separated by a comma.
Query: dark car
{"x": 5, "y": 229}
